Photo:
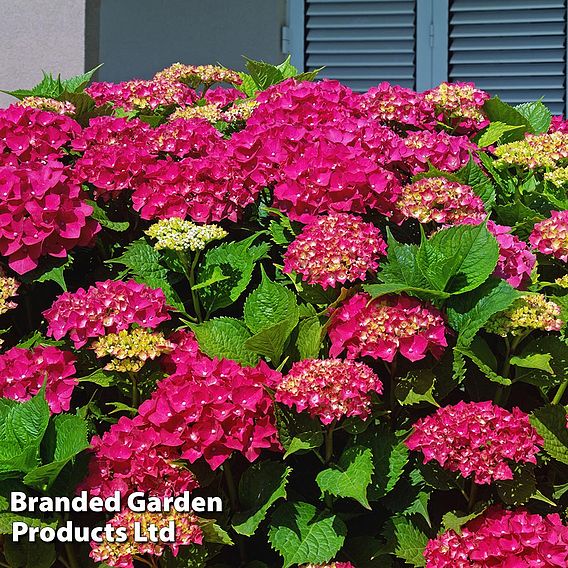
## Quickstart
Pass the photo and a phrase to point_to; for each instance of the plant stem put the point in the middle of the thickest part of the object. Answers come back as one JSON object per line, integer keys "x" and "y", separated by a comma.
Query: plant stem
{"x": 135, "y": 391}
{"x": 70, "y": 553}
{"x": 560, "y": 392}
{"x": 472, "y": 496}
{"x": 329, "y": 442}
{"x": 190, "y": 275}
{"x": 231, "y": 487}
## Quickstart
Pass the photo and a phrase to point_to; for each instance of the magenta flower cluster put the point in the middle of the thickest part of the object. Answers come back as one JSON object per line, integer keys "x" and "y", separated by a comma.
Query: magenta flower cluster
{"x": 550, "y": 236}
{"x": 107, "y": 307}
{"x": 23, "y": 372}
{"x": 476, "y": 438}
{"x": 329, "y": 388}
{"x": 386, "y": 326}
{"x": 335, "y": 249}
{"x": 502, "y": 538}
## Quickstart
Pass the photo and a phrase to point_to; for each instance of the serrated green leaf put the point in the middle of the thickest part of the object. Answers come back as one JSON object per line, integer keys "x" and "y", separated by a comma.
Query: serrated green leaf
{"x": 7, "y": 520}
{"x": 452, "y": 521}
{"x": 30, "y": 554}
{"x": 308, "y": 341}
{"x": 493, "y": 133}
{"x": 304, "y": 535}
{"x": 225, "y": 338}
{"x": 410, "y": 541}
{"x": 472, "y": 174}
{"x": 548, "y": 346}
{"x": 458, "y": 259}
{"x": 100, "y": 215}
{"x": 259, "y": 488}
{"x": 263, "y": 74}
{"x": 297, "y": 431}
{"x": 79, "y": 82}
{"x": 143, "y": 262}
{"x": 287, "y": 69}
{"x": 99, "y": 377}
{"x": 236, "y": 261}
{"x": 480, "y": 354}
{"x": 540, "y": 361}
{"x": 56, "y": 274}
{"x": 212, "y": 532}
{"x": 270, "y": 304}
{"x": 351, "y": 477}
{"x": 550, "y": 423}
{"x": 499, "y": 111}
{"x": 521, "y": 488}
{"x": 537, "y": 114}
{"x": 390, "y": 456}
{"x": 270, "y": 342}
{"x": 416, "y": 387}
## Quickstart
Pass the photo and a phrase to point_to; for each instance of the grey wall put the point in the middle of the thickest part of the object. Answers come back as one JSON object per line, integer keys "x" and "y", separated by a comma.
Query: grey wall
{"x": 40, "y": 35}
{"x": 140, "y": 37}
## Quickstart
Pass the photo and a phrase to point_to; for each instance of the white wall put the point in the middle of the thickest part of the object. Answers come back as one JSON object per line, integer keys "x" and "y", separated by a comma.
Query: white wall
{"x": 38, "y": 35}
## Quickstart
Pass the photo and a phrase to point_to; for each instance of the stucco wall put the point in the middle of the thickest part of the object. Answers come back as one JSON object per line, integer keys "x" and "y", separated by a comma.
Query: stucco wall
{"x": 40, "y": 35}
{"x": 139, "y": 37}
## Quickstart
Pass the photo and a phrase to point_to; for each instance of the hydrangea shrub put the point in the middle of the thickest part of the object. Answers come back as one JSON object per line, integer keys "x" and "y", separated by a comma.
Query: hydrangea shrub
{"x": 343, "y": 313}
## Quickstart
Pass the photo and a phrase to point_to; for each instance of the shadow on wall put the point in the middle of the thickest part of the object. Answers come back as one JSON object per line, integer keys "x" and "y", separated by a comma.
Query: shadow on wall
{"x": 140, "y": 37}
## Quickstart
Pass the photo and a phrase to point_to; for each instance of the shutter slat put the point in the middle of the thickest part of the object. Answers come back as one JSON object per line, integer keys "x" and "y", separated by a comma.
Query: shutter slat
{"x": 515, "y": 49}
{"x": 362, "y": 42}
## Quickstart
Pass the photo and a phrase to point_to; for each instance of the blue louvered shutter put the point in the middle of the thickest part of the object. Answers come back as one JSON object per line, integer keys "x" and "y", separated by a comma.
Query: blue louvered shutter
{"x": 513, "y": 48}
{"x": 362, "y": 42}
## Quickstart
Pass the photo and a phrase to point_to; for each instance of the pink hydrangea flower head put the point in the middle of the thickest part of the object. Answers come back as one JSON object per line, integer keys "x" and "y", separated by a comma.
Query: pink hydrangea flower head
{"x": 24, "y": 371}
{"x": 383, "y": 327}
{"x": 440, "y": 200}
{"x": 504, "y": 538}
{"x": 133, "y": 457}
{"x": 142, "y": 95}
{"x": 558, "y": 124}
{"x": 335, "y": 249}
{"x": 329, "y": 388}
{"x": 550, "y": 236}
{"x": 107, "y": 307}
{"x": 214, "y": 408}
{"x": 8, "y": 289}
{"x": 444, "y": 152}
{"x": 206, "y": 189}
{"x": 123, "y": 554}
{"x": 516, "y": 261}
{"x": 394, "y": 104}
{"x": 196, "y": 75}
{"x": 42, "y": 213}
{"x": 223, "y": 97}
{"x": 476, "y": 438}
{"x": 51, "y": 105}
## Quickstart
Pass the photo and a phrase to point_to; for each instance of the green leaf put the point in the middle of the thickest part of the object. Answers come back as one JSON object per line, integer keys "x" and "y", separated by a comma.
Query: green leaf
{"x": 248, "y": 86}
{"x": 263, "y": 74}
{"x": 236, "y": 261}
{"x": 99, "y": 377}
{"x": 7, "y": 520}
{"x": 539, "y": 361}
{"x": 225, "y": 338}
{"x": 480, "y": 354}
{"x": 79, "y": 82}
{"x": 270, "y": 304}
{"x": 410, "y": 541}
{"x": 308, "y": 341}
{"x": 143, "y": 261}
{"x": 217, "y": 276}
{"x": 390, "y": 456}
{"x": 309, "y": 75}
{"x": 351, "y": 477}
{"x": 537, "y": 114}
{"x": 55, "y": 274}
{"x": 66, "y": 438}
{"x": 287, "y": 69}
{"x": 298, "y": 432}
{"x": 304, "y": 535}
{"x": 22, "y": 427}
{"x": 271, "y": 341}
{"x": 468, "y": 313}
{"x": 458, "y": 259}
{"x": 547, "y": 346}
{"x": 452, "y": 521}
{"x": 550, "y": 422}
{"x": 49, "y": 87}
{"x": 493, "y": 133}
{"x": 499, "y": 111}
{"x": 259, "y": 488}
{"x": 30, "y": 554}
{"x": 212, "y": 532}
{"x": 471, "y": 174}
{"x": 521, "y": 488}
{"x": 416, "y": 387}
{"x": 101, "y": 216}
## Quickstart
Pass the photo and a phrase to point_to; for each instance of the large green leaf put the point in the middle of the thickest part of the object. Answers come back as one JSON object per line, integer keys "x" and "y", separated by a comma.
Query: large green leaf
{"x": 271, "y": 341}
{"x": 499, "y": 111}
{"x": 550, "y": 347}
{"x": 351, "y": 477}
{"x": 236, "y": 261}
{"x": 471, "y": 174}
{"x": 410, "y": 540}
{"x": 143, "y": 262}
{"x": 493, "y": 133}
{"x": 304, "y": 535}
{"x": 537, "y": 114}
{"x": 269, "y": 304}
{"x": 102, "y": 217}
{"x": 260, "y": 487}
{"x": 308, "y": 341}
{"x": 550, "y": 422}
{"x": 416, "y": 387}
{"x": 458, "y": 259}
{"x": 297, "y": 432}
{"x": 225, "y": 338}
